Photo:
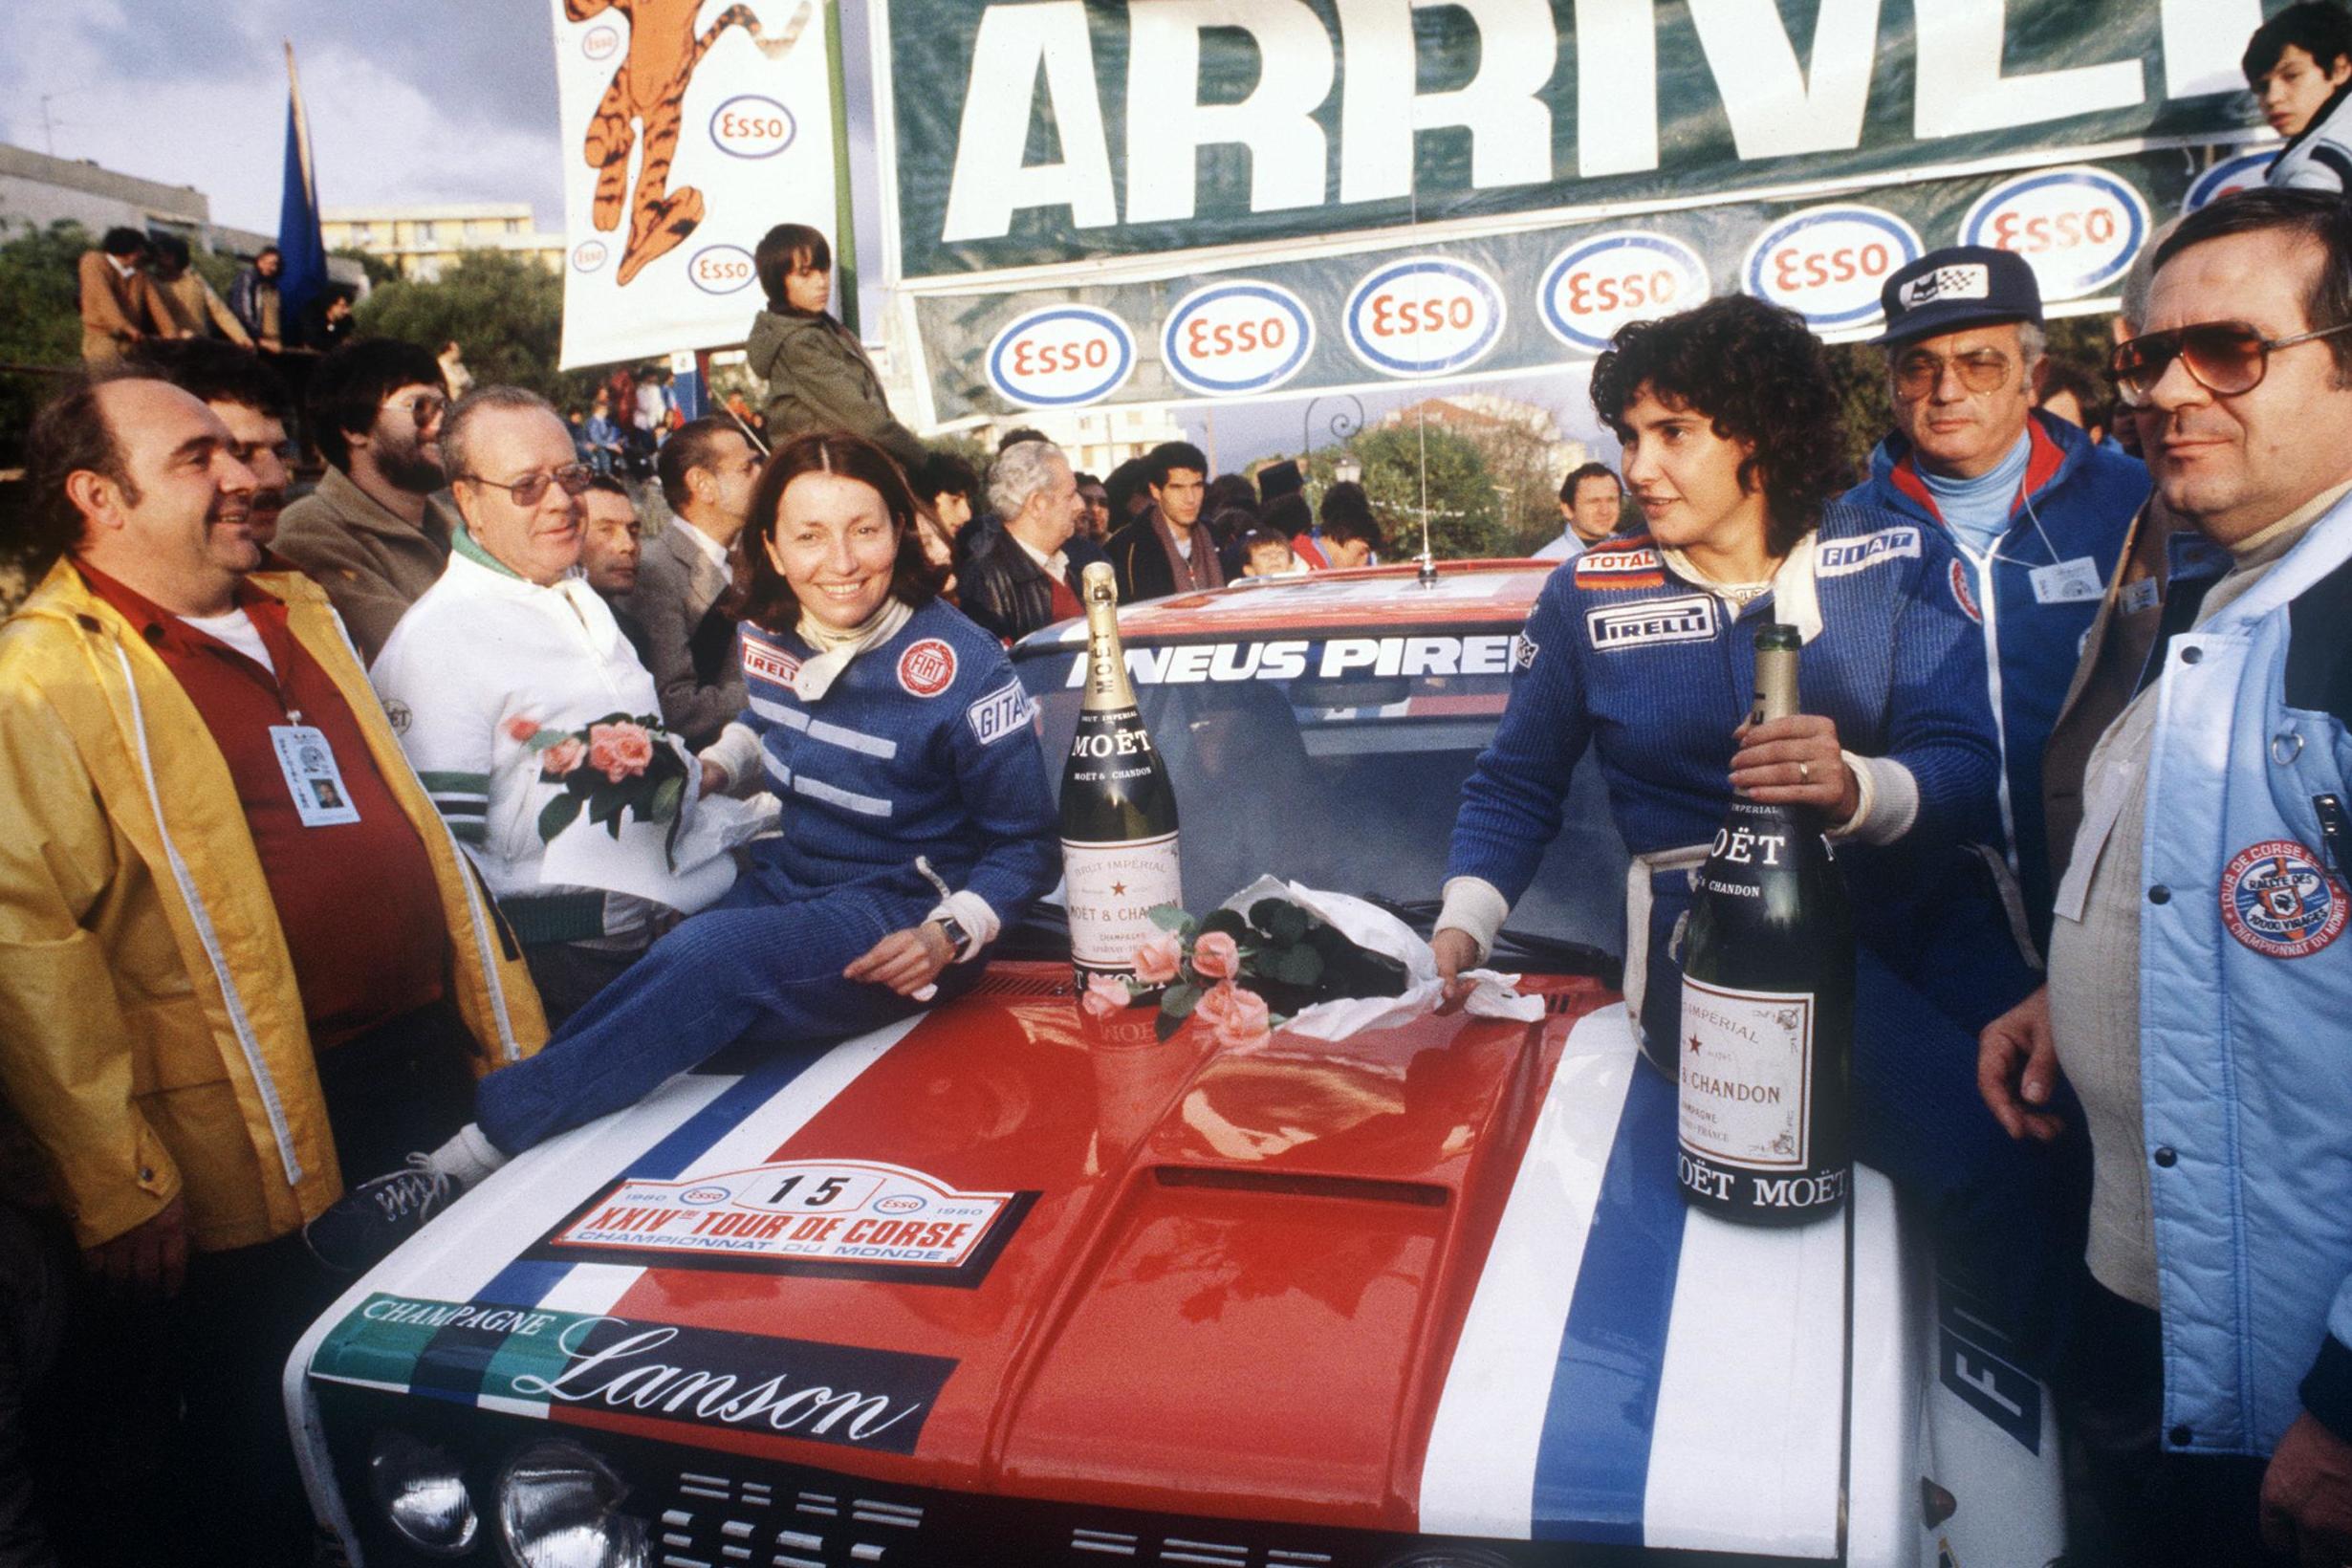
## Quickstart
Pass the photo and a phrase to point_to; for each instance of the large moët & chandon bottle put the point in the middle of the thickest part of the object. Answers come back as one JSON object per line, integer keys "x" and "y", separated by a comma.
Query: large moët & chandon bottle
{"x": 1768, "y": 1002}
{"x": 1118, "y": 810}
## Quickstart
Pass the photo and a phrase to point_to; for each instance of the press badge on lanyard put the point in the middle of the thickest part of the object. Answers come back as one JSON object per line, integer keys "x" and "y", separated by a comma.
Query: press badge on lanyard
{"x": 307, "y": 759}
{"x": 2067, "y": 583}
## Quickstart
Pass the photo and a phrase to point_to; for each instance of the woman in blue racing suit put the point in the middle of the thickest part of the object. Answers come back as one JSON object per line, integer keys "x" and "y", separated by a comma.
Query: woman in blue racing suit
{"x": 918, "y": 823}
{"x": 1642, "y": 650}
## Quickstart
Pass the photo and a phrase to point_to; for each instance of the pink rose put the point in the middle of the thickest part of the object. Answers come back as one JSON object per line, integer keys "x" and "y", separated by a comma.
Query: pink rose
{"x": 1215, "y": 1005}
{"x": 1217, "y": 956}
{"x": 618, "y": 751}
{"x": 1244, "y": 1024}
{"x": 1158, "y": 957}
{"x": 1105, "y": 994}
{"x": 521, "y": 729}
{"x": 562, "y": 758}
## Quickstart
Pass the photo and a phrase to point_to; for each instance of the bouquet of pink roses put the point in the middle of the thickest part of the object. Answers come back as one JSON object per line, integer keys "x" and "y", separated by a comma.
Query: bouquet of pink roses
{"x": 609, "y": 766}
{"x": 1245, "y": 974}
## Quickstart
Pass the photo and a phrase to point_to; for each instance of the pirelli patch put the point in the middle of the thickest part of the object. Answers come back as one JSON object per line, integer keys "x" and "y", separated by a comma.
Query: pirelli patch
{"x": 1690, "y": 618}
{"x": 768, "y": 663}
{"x": 1620, "y": 569}
{"x": 1838, "y": 557}
{"x": 1004, "y": 711}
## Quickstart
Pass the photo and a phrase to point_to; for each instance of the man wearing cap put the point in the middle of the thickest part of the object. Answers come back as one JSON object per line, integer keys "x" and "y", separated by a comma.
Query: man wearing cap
{"x": 2037, "y": 514}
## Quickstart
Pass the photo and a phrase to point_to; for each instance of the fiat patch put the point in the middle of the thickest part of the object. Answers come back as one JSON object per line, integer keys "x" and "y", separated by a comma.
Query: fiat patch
{"x": 927, "y": 668}
{"x": 2279, "y": 901}
{"x": 1839, "y": 556}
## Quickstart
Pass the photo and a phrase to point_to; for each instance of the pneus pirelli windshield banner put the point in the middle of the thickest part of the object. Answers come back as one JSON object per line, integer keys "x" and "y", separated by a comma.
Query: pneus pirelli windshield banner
{"x": 1133, "y": 200}
{"x": 689, "y": 129}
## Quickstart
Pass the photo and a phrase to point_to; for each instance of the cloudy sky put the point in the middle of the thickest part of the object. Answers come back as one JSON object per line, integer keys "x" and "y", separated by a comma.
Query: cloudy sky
{"x": 414, "y": 101}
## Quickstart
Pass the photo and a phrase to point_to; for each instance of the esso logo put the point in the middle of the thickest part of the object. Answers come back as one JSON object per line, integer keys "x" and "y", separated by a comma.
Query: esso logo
{"x": 899, "y": 1202}
{"x": 721, "y": 269}
{"x": 2229, "y": 177}
{"x": 1061, "y": 355}
{"x": 703, "y": 1197}
{"x": 600, "y": 43}
{"x": 1424, "y": 316}
{"x": 1827, "y": 263}
{"x": 1594, "y": 287}
{"x": 751, "y": 126}
{"x": 588, "y": 255}
{"x": 2077, "y": 228}
{"x": 1238, "y": 336}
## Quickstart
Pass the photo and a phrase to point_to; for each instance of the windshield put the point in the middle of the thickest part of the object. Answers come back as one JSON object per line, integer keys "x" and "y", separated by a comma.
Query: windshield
{"x": 1337, "y": 760}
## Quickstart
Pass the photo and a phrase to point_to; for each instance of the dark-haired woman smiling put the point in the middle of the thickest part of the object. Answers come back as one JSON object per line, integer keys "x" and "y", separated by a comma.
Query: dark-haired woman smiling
{"x": 918, "y": 823}
{"x": 1642, "y": 650}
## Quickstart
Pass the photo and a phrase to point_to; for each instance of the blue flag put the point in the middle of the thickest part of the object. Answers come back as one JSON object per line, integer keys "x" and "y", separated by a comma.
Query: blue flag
{"x": 302, "y": 248}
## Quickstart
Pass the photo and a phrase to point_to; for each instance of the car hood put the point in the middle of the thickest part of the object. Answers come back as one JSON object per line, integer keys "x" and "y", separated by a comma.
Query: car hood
{"x": 1434, "y": 1277}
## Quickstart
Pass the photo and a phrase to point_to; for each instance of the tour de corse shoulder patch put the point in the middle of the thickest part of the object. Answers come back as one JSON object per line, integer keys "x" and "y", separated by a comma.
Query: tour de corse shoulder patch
{"x": 2279, "y": 901}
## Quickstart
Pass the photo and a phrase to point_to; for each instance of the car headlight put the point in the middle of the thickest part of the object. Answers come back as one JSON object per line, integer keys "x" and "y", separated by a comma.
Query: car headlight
{"x": 422, "y": 1493}
{"x": 559, "y": 1507}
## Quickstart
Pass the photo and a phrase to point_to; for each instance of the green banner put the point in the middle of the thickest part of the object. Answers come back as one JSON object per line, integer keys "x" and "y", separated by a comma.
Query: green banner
{"x": 1042, "y": 133}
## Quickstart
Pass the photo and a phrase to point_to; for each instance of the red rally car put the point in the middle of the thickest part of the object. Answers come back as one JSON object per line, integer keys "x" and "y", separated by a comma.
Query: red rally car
{"x": 1009, "y": 1285}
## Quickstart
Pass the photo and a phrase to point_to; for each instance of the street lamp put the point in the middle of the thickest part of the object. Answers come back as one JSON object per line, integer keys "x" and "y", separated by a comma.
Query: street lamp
{"x": 1346, "y": 470}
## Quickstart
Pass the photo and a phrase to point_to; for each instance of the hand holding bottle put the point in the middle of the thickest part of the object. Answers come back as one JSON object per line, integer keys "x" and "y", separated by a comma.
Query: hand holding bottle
{"x": 1795, "y": 761}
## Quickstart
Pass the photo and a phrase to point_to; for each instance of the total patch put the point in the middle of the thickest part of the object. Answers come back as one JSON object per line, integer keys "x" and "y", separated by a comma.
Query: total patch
{"x": 2280, "y": 900}
{"x": 1620, "y": 569}
{"x": 768, "y": 663}
{"x": 927, "y": 668}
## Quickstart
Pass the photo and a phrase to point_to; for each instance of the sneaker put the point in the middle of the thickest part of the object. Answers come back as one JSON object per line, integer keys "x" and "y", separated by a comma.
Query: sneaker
{"x": 363, "y": 1227}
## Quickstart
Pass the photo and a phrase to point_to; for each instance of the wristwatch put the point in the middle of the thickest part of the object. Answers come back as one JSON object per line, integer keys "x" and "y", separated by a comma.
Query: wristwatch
{"x": 958, "y": 938}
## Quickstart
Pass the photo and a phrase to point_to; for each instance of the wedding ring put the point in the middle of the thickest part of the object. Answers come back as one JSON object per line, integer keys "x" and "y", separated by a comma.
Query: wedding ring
{"x": 1804, "y": 772}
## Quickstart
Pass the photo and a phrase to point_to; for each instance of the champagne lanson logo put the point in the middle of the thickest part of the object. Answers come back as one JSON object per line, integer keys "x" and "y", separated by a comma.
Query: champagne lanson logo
{"x": 1238, "y": 337}
{"x": 1424, "y": 316}
{"x": 1827, "y": 263}
{"x": 1592, "y": 289}
{"x": 600, "y": 42}
{"x": 749, "y": 125}
{"x": 2077, "y": 228}
{"x": 590, "y": 255}
{"x": 721, "y": 269}
{"x": 1060, "y": 357}
{"x": 2229, "y": 177}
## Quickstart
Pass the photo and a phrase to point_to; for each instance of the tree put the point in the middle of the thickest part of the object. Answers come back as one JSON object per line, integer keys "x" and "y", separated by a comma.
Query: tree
{"x": 40, "y": 323}
{"x": 379, "y": 272}
{"x": 1401, "y": 464}
{"x": 506, "y": 311}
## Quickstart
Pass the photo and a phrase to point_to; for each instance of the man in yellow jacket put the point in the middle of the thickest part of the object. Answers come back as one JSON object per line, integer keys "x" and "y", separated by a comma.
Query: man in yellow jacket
{"x": 237, "y": 945}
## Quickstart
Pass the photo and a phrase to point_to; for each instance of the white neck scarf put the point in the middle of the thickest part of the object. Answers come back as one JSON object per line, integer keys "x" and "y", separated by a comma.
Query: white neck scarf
{"x": 834, "y": 649}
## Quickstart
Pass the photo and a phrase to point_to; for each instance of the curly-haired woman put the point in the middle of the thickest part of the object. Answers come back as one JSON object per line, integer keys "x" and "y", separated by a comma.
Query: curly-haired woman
{"x": 1642, "y": 650}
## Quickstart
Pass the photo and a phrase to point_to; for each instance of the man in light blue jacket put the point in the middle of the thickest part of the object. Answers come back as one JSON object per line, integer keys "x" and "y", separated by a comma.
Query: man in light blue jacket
{"x": 2200, "y": 994}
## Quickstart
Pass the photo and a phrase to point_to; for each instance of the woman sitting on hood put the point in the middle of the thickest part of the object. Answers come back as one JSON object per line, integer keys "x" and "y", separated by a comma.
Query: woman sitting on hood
{"x": 818, "y": 375}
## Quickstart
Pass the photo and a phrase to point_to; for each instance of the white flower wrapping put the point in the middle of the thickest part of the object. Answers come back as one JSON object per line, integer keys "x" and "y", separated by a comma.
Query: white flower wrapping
{"x": 1494, "y": 994}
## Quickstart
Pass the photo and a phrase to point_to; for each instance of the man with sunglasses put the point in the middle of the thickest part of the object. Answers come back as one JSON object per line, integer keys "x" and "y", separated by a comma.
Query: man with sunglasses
{"x": 372, "y": 535}
{"x": 2035, "y": 511}
{"x": 2200, "y": 991}
{"x": 512, "y": 641}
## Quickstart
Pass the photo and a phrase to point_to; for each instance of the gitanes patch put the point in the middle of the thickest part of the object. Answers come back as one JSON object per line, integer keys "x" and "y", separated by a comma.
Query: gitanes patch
{"x": 1004, "y": 711}
{"x": 927, "y": 668}
{"x": 1960, "y": 590}
{"x": 1620, "y": 569}
{"x": 1690, "y": 618}
{"x": 768, "y": 663}
{"x": 2280, "y": 902}
{"x": 1836, "y": 557}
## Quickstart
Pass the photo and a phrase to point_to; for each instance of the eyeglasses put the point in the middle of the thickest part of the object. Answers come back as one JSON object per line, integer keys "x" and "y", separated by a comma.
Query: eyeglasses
{"x": 2226, "y": 358}
{"x": 1980, "y": 370}
{"x": 424, "y": 408}
{"x": 573, "y": 477}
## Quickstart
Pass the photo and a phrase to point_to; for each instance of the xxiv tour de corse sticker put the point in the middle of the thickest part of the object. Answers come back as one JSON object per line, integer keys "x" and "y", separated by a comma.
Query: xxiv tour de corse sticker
{"x": 1060, "y": 357}
{"x": 1827, "y": 263}
{"x": 749, "y": 125}
{"x": 721, "y": 269}
{"x": 1593, "y": 288}
{"x": 839, "y": 1219}
{"x": 1236, "y": 338}
{"x": 2077, "y": 228}
{"x": 2229, "y": 177}
{"x": 2280, "y": 900}
{"x": 1424, "y": 316}
{"x": 927, "y": 668}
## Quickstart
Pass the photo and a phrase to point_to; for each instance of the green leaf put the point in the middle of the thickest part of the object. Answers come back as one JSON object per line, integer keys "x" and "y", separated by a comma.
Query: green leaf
{"x": 1172, "y": 917}
{"x": 1280, "y": 919}
{"x": 1228, "y": 921}
{"x": 1164, "y": 1025}
{"x": 546, "y": 738}
{"x": 666, "y": 798}
{"x": 607, "y": 807}
{"x": 1296, "y": 964}
{"x": 1180, "y": 999}
{"x": 612, "y": 826}
{"x": 558, "y": 814}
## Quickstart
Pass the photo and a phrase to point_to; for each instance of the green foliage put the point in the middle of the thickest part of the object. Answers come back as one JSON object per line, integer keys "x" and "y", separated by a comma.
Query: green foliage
{"x": 378, "y": 270}
{"x": 507, "y": 311}
{"x": 1467, "y": 512}
{"x": 40, "y": 324}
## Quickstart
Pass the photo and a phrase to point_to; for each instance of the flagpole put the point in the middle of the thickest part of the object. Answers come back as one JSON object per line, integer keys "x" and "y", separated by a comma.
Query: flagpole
{"x": 845, "y": 209}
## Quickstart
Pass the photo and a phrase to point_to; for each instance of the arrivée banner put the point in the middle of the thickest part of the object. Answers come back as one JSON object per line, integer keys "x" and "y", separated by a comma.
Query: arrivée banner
{"x": 1391, "y": 189}
{"x": 682, "y": 144}
{"x": 1531, "y": 299}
